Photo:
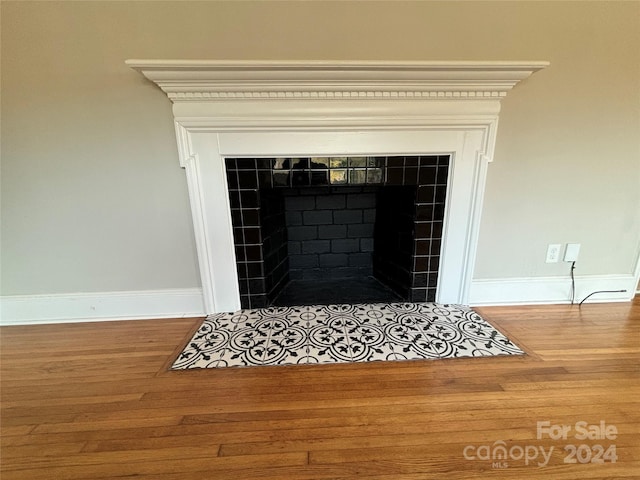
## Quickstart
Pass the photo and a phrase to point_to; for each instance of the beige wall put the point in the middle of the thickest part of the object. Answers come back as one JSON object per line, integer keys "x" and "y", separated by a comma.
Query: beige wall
{"x": 93, "y": 198}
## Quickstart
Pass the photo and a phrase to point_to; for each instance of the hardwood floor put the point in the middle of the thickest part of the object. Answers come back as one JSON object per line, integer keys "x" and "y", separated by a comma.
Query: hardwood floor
{"x": 95, "y": 401}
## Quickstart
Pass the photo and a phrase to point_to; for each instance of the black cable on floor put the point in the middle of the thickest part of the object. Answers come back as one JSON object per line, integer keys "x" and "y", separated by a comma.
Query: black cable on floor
{"x": 600, "y": 291}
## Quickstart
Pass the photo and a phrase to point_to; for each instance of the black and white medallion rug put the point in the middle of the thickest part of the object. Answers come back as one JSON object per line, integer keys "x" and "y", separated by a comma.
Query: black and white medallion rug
{"x": 342, "y": 333}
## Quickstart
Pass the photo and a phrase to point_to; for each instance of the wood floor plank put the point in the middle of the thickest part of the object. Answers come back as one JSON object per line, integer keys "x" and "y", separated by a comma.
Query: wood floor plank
{"x": 97, "y": 401}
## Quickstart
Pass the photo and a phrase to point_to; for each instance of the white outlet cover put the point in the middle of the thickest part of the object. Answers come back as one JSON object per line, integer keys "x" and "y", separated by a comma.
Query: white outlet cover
{"x": 553, "y": 252}
{"x": 571, "y": 253}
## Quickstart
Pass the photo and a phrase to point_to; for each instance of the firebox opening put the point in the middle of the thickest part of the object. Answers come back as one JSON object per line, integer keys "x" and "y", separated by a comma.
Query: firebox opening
{"x": 337, "y": 230}
{"x": 331, "y": 243}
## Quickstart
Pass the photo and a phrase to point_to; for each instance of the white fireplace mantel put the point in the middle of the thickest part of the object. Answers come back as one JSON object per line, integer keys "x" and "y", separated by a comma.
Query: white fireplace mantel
{"x": 305, "y": 108}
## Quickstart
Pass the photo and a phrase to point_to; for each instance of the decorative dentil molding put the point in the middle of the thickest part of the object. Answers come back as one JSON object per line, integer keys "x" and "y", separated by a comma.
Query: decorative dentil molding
{"x": 211, "y": 80}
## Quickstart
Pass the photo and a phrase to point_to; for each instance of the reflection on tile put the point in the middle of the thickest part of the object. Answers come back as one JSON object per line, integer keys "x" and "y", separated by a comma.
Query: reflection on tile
{"x": 342, "y": 333}
{"x": 338, "y": 177}
{"x": 338, "y": 162}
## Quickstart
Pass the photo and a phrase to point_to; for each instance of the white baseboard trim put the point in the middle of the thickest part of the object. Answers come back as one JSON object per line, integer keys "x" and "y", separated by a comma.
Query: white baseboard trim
{"x": 550, "y": 290}
{"x": 101, "y": 306}
{"x": 188, "y": 302}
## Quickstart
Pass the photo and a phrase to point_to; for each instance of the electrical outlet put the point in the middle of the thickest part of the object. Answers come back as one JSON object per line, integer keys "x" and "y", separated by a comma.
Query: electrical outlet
{"x": 571, "y": 253}
{"x": 553, "y": 252}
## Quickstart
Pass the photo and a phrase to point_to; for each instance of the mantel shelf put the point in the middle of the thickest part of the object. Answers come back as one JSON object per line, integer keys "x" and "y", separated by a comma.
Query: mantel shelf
{"x": 211, "y": 80}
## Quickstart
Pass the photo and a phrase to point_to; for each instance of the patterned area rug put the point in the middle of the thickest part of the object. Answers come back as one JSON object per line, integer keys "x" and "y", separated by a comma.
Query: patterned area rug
{"x": 342, "y": 333}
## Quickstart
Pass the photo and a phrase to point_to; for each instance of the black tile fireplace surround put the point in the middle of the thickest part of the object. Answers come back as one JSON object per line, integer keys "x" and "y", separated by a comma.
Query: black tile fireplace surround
{"x": 339, "y": 219}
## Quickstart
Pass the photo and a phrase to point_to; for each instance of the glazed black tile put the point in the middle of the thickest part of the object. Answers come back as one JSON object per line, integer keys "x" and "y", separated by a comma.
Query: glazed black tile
{"x": 418, "y": 295}
{"x": 257, "y": 285}
{"x": 421, "y": 264}
{"x": 375, "y": 176}
{"x": 425, "y": 212}
{"x": 240, "y": 253}
{"x": 319, "y": 177}
{"x": 395, "y": 176}
{"x": 423, "y": 230}
{"x": 249, "y": 199}
{"x": 238, "y": 237}
{"x": 281, "y": 178}
{"x": 246, "y": 163}
{"x": 236, "y": 216}
{"x": 299, "y": 163}
{"x": 259, "y": 301}
{"x": 230, "y": 163}
{"x": 410, "y": 176}
{"x": 437, "y": 229}
{"x": 434, "y": 263}
{"x": 319, "y": 163}
{"x": 338, "y": 162}
{"x": 264, "y": 179}
{"x": 441, "y": 193}
{"x": 253, "y": 253}
{"x": 252, "y": 235}
{"x": 426, "y": 161}
{"x": 395, "y": 161}
{"x": 428, "y": 176}
{"x": 241, "y": 268}
{"x": 264, "y": 163}
{"x": 375, "y": 162}
{"x": 442, "y": 175}
{"x": 357, "y": 162}
{"x": 244, "y": 302}
{"x": 434, "y": 249}
{"x": 357, "y": 176}
{"x": 338, "y": 177}
{"x": 420, "y": 280}
{"x": 250, "y": 217}
{"x": 234, "y": 199}
{"x": 248, "y": 179}
{"x": 254, "y": 269}
{"x": 232, "y": 179}
{"x": 300, "y": 178}
{"x": 410, "y": 161}
{"x": 423, "y": 247}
